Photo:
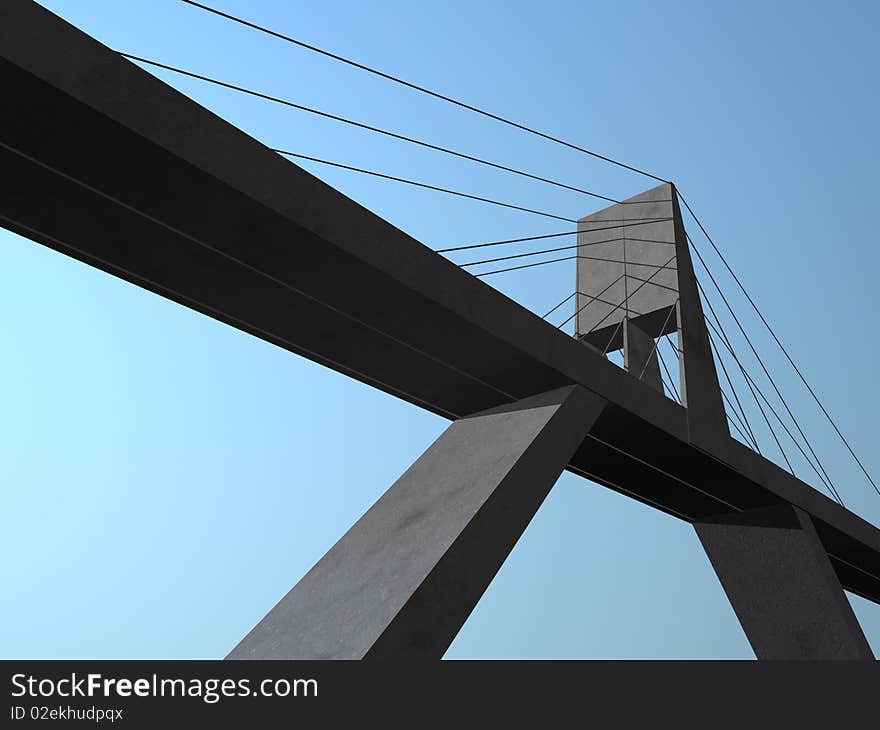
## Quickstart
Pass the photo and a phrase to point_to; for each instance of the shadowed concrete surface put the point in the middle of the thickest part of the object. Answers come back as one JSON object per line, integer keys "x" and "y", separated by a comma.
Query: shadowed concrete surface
{"x": 407, "y": 575}
{"x": 647, "y": 270}
{"x": 781, "y": 585}
{"x": 640, "y": 355}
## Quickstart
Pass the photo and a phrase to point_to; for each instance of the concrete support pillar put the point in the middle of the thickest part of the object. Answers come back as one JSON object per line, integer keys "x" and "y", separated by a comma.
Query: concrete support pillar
{"x": 640, "y": 355}
{"x": 782, "y": 585}
{"x": 405, "y": 577}
{"x": 700, "y": 390}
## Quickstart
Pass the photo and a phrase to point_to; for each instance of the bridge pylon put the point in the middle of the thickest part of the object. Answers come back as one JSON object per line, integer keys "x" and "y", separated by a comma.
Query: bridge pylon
{"x": 635, "y": 284}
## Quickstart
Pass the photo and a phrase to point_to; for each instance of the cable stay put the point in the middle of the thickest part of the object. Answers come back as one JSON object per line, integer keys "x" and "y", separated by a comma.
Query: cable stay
{"x": 364, "y": 126}
{"x": 416, "y": 183}
{"x": 642, "y": 222}
{"x": 420, "y": 89}
{"x": 779, "y": 343}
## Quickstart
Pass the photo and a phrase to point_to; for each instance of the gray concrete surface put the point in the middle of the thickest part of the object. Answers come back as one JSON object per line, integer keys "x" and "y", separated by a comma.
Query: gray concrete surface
{"x": 402, "y": 581}
{"x": 781, "y": 585}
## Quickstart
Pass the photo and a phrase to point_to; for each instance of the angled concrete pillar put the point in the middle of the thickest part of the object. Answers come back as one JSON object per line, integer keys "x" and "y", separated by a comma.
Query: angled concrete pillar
{"x": 404, "y": 579}
{"x": 640, "y": 355}
{"x": 782, "y": 585}
{"x": 700, "y": 390}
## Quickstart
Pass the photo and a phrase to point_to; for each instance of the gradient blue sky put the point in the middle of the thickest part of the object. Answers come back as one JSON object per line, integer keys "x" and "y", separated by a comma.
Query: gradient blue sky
{"x": 166, "y": 478}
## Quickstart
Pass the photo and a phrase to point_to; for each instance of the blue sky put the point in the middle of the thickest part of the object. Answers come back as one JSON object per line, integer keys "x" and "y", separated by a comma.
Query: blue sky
{"x": 166, "y": 478}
